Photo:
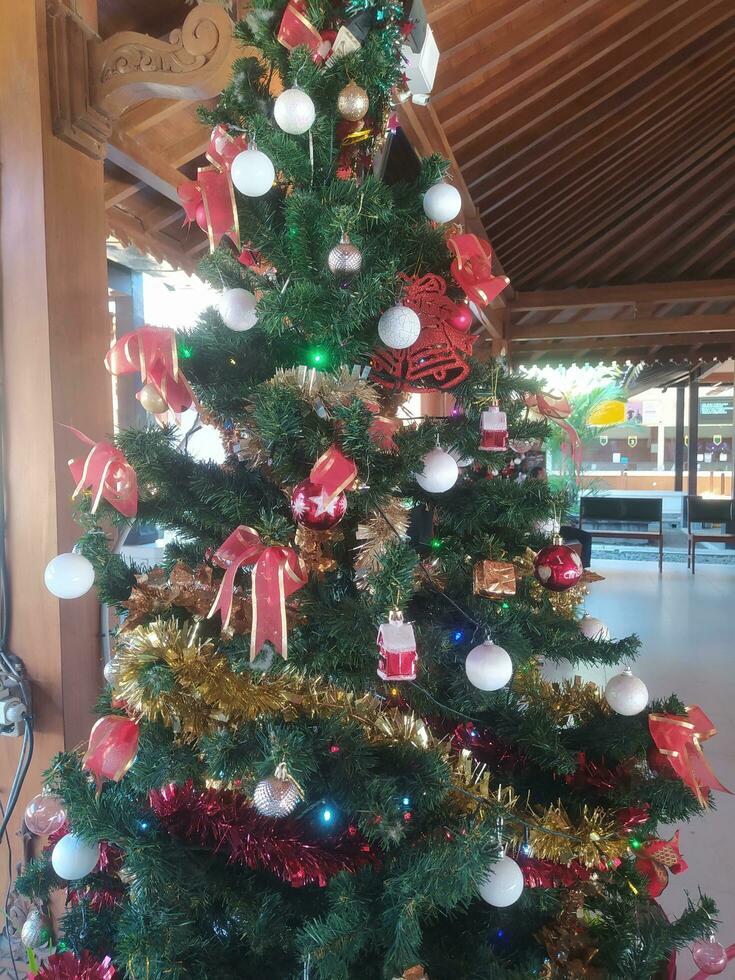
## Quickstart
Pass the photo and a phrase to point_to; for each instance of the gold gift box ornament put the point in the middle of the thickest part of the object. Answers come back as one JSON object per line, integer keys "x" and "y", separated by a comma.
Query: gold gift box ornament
{"x": 494, "y": 579}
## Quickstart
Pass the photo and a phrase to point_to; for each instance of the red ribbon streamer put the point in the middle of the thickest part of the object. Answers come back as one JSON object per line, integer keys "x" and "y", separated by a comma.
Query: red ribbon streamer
{"x": 679, "y": 738}
{"x": 67, "y": 966}
{"x": 334, "y": 472}
{"x": 472, "y": 269}
{"x": 152, "y": 351}
{"x": 213, "y": 189}
{"x": 107, "y": 474}
{"x": 557, "y": 409}
{"x": 225, "y": 822}
{"x": 278, "y": 573}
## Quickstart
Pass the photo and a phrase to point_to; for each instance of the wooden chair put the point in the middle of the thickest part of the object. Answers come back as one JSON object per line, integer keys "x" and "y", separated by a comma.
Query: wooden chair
{"x": 702, "y": 510}
{"x": 625, "y": 510}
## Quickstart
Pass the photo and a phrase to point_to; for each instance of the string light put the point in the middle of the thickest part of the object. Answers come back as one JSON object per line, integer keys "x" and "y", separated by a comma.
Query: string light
{"x": 185, "y": 351}
{"x": 326, "y": 815}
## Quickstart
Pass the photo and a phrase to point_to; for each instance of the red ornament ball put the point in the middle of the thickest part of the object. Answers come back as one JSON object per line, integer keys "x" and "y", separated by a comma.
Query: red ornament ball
{"x": 311, "y": 508}
{"x": 201, "y": 217}
{"x": 557, "y": 567}
{"x": 461, "y": 317}
{"x": 659, "y": 763}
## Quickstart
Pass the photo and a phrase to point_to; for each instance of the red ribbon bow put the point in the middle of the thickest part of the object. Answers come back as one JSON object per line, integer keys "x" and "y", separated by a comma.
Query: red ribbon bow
{"x": 557, "y": 409}
{"x": 656, "y": 859}
{"x": 334, "y": 472}
{"x": 278, "y": 573}
{"x": 679, "y": 738}
{"x": 113, "y": 745}
{"x": 108, "y": 475}
{"x": 152, "y": 351}
{"x": 472, "y": 268}
{"x": 212, "y": 191}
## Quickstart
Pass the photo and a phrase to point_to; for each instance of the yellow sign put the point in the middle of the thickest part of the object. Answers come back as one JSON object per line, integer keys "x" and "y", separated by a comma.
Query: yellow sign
{"x": 607, "y": 413}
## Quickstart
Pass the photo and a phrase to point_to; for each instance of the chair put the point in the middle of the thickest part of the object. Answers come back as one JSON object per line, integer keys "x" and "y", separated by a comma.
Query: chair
{"x": 626, "y": 510}
{"x": 703, "y": 510}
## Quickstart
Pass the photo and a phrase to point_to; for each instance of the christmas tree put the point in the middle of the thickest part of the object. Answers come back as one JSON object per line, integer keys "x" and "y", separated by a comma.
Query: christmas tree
{"x": 270, "y": 790}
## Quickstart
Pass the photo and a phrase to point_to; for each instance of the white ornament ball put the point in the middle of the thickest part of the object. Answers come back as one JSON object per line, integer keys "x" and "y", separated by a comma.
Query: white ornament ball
{"x": 442, "y": 202}
{"x": 399, "y": 327}
{"x": 503, "y": 884}
{"x": 69, "y": 576}
{"x": 626, "y": 694}
{"x": 238, "y": 309}
{"x": 252, "y": 173}
{"x": 488, "y": 667}
{"x": 440, "y": 472}
{"x": 72, "y": 858}
{"x": 294, "y": 111}
{"x": 593, "y": 629}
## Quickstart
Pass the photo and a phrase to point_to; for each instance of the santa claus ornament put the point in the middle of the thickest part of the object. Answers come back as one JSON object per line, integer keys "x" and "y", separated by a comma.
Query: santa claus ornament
{"x": 557, "y": 567}
{"x": 312, "y": 507}
{"x": 397, "y": 649}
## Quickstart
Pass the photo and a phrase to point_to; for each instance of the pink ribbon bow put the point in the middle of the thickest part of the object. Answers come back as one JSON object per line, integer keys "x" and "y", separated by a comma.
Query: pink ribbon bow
{"x": 472, "y": 269}
{"x": 152, "y": 351}
{"x": 210, "y": 200}
{"x": 107, "y": 474}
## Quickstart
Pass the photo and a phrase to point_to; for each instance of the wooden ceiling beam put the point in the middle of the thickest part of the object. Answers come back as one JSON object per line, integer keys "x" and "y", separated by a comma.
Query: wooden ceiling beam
{"x": 651, "y": 292}
{"x": 625, "y": 343}
{"x": 712, "y": 244}
{"x": 130, "y": 230}
{"x": 653, "y": 326}
{"x": 145, "y": 164}
{"x": 119, "y": 186}
{"x": 189, "y": 146}
{"x": 143, "y": 116}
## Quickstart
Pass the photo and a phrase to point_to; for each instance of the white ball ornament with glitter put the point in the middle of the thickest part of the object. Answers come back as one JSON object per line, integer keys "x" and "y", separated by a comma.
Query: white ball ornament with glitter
{"x": 503, "y": 884}
{"x": 294, "y": 111}
{"x": 440, "y": 472}
{"x": 442, "y": 203}
{"x": 73, "y": 858}
{"x": 252, "y": 173}
{"x": 69, "y": 576}
{"x": 399, "y": 327}
{"x": 238, "y": 309}
{"x": 626, "y": 694}
{"x": 593, "y": 629}
{"x": 488, "y": 666}
{"x": 278, "y": 795}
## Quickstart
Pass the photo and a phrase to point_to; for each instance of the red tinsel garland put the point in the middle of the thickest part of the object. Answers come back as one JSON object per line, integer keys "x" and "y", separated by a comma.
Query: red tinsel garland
{"x": 67, "y": 966}
{"x": 549, "y": 874}
{"x": 225, "y": 822}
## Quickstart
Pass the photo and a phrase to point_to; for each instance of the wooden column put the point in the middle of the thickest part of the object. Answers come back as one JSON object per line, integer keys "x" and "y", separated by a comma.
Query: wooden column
{"x": 693, "y": 432}
{"x": 679, "y": 441}
{"x": 55, "y": 327}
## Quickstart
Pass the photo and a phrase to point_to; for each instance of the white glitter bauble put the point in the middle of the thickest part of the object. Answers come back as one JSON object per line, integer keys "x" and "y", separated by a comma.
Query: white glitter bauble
{"x": 72, "y": 858}
{"x": 238, "y": 309}
{"x": 294, "y": 111}
{"x": 276, "y": 796}
{"x": 440, "y": 472}
{"x": 503, "y": 884}
{"x": 594, "y": 629}
{"x": 442, "y": 202}
{"x": 626, "y": 694}
{"x": 252, "y": 173}
{"x": 488, "y": 667}
{"x": 69, "y": 576}
{"x": 399, "y": 327}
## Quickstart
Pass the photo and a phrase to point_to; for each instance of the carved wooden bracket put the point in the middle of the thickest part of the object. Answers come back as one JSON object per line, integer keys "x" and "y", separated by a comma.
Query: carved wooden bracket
{"x": 94, "y": 81}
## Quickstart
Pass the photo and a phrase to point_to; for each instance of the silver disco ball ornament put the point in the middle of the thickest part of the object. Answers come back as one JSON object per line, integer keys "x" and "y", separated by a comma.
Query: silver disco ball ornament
{"x": 345, "y": 259}
{"x": 278, "y": 795}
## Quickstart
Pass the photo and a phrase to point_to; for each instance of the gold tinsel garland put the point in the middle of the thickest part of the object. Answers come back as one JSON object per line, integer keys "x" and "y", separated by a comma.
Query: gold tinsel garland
{"x": 203, "y": 693}
{"x": 563, "y": 699}
{"x": 381, "y": 528}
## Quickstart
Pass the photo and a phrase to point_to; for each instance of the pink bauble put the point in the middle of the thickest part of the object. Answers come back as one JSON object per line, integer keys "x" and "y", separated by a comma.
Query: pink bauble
{"x": 710, "y": 956}
{"x": 461, "y": 317}
{"x": 310, "y": 506}
{"x": 201, "y": 217}
{"x": 45, "y": 814}
{"x": 557, "y": 567}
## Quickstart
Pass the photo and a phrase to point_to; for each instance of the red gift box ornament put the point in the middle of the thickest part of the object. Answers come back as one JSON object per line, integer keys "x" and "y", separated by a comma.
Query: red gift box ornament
{"x": 113, "y": 745}
{"x": 107, "y": 474}
{"x": 278, "y": 573}
{"x": 397, "y": 649}
{"x": 679, "y": 738}
{"x": 493, "y": 430}
{"x": 656, "y": 859}
{"x": 152, "y": 351}
{"x": 472, "y": 269}
{"x": 297, "y": 30}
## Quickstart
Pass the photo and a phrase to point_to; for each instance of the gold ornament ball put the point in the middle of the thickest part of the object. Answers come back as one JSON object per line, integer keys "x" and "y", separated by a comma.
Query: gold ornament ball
{"x": 152, "y": 400}
{"x": 345, "y": 259}
{"x": 353, "y": 102}
{"x": 36, "y": 931}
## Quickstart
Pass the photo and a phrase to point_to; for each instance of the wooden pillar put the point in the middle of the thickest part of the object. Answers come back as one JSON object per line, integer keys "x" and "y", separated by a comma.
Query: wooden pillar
{"x": 55, "y": 327}
{"x": 693, "y": 432}
{"x": 679, "y": 441}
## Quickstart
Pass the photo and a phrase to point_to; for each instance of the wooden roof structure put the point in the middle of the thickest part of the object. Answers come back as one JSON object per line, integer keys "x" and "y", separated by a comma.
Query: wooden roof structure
{"x": 592, "y": 142}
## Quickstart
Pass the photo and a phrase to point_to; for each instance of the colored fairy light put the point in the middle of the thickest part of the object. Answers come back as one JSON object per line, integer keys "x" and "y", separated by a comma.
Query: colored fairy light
{"x": 436, "y": 542}
{"x": 458, "y": 634}
{"x": 185, "y": 351}
{"x": 327, "y": 815}
{"x": 406, "y": 801}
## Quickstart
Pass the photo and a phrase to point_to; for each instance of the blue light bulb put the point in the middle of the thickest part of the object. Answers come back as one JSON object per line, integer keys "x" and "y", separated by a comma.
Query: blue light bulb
{"x": 327, "y": 815}
{"x": 406, "y": 801}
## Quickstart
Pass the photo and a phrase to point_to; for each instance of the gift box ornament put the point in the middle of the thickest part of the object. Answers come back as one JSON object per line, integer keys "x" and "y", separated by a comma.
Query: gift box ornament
{"x": 493, "y": 430}
{"x": 397, "y": 650}
{"x": 494, "y": 579}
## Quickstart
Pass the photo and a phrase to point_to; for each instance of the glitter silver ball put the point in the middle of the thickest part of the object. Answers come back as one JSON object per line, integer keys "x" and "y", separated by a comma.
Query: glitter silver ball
{"x": 36, "y": 931}
{"x": 274, "y": 797}
{"x": 345, "y": 259}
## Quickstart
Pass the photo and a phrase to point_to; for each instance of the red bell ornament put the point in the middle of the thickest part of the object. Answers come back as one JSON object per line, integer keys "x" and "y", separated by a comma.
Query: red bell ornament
{"x": 557, "y": 567}
{"x": 397, "y": 648}
{"x": 312, "y": 508}
{"x": 494, "y": 430}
